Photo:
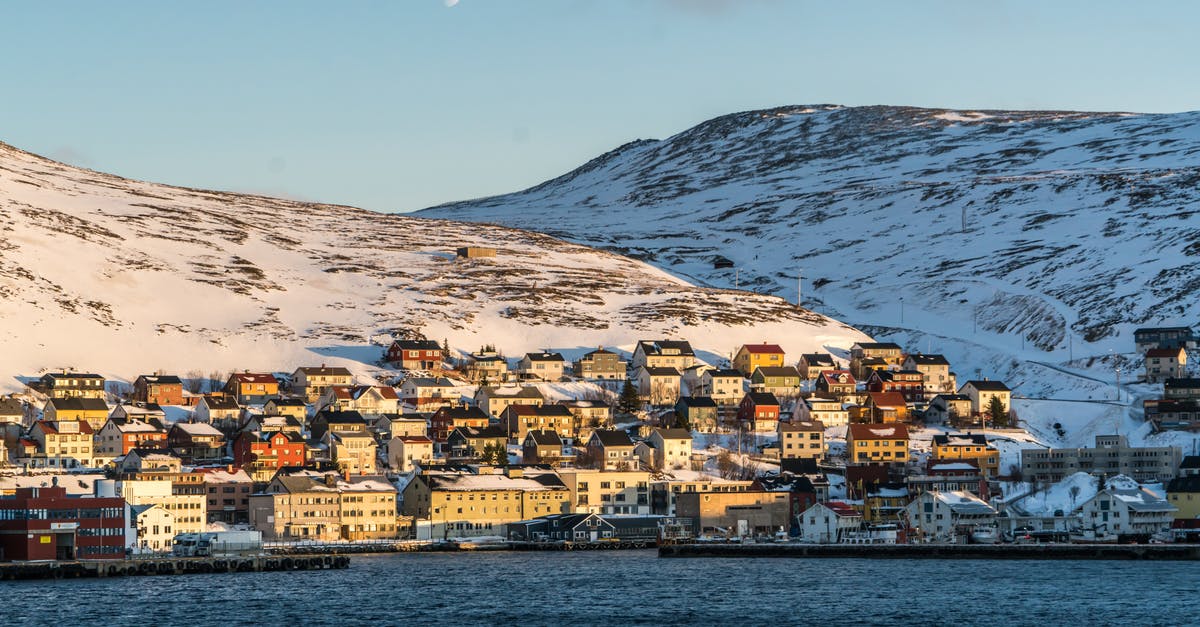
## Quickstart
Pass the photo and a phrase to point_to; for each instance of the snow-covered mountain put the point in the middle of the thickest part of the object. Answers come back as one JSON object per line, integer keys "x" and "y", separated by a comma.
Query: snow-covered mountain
{"x": 1063, "y": 228}
{"x": 122, "y": 277}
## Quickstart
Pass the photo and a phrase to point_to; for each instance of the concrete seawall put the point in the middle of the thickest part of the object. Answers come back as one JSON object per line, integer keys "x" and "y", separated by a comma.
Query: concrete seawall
{"x": 941, "y": 551}
{"x": 169, "y": 566}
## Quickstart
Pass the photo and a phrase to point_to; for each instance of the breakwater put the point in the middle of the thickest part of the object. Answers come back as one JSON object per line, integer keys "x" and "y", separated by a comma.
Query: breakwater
{"x": 1175, "y": 552}
{"x": 169, "y": 566}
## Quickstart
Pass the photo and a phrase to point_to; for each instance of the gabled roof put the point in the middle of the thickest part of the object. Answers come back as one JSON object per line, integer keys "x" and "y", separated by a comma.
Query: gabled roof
{"x": 430, "y": 382}
{"x": 724, "y": 372}
{"x": 836, "y": 376}
{"x": 541, "y": 437}
{"x": 134, "y": 426}
{"x": 964, "y": 503}
{"x": 414, "y": 439}
{"x": 70, "y": 375}
{"x": 674, "y": 433}
{"x": 473, "y": 433}
{"x": 777, "y": 371}
{"x": 988, "y": 385}
{"x": 877, "y": 432}
{"x": 762, "y": 399}
{"x": 697, "y": 401}
{"x": 417, "y": 345}
{"x": 340, "y": 417}
{"x": 522, "y": 392}
{"x": 887, "y": 399}
{"x": 220, "y": 402}
{"x": 1190, "y": 483}
{"x": 952, "y": 397}
{"x": 544, "y": 357}
{"x": 324, "y": 371}
{"x": 561, "y": 411}
{"x": 160, "y": 379}
{"x": 461, "y": 413}
{"x": 1184, "y": 383}
{"x": 599, "y": 351}
{"x": 659, "y": 371}
{"x": 79, "y": 404}
{"x": 1157, "y": 330}
{"x": 818, "y": 359}
{"x": 843, "y": 510}
{"x": 51, "y": 428}
{"x": 878, "y": 345}
{"x": 1164, "y": 352}
{"x": 612, "y": 438}
{"x": 656, "y": 347}
{"x": 1141, "y": 500}
{"x": 960, "y": 439}
{"x": 287, "y": 402}
{"x": 254, "y": 377}
{"x": 929, "y": 360}
{"x": 198, "y": 429}
{"x": 761, "y": 349}
{"x": 1190, "y": 461}
{"x": 803, "y": 426}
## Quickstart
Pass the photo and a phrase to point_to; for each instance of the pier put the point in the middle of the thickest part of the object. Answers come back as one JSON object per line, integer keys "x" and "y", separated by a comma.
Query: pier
{"x": 1175, "y": 552}
{"x": 169, "y": 566}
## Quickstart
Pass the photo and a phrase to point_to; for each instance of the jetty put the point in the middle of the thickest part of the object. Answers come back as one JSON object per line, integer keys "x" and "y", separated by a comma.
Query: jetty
{"x": 1176, "y": 552}
{"x": 167, "y": 565}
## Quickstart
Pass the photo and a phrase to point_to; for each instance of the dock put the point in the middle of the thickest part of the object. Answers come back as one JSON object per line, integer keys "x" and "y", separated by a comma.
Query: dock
{"x": 1174, "y": 552}
{"x": 166, "y": 565}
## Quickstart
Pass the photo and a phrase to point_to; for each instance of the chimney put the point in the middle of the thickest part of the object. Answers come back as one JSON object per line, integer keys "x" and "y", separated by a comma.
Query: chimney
{"x": 331, "y": 480}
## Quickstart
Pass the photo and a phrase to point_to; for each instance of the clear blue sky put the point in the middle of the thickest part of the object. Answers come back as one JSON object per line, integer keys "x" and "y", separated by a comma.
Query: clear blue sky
{"x": 398, "y": 105}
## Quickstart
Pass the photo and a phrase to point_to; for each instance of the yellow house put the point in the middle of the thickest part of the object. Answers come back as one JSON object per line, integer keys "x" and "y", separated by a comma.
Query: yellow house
{"x": 76, "y": 409}
{"x": 66, "y": 444}
{"x": 874, "y": 443}
{"x": 884, "y": 503}
{"x": 317, "y": 506}
{"x": 1184, "y": 494}
{"x": 971, "y": 446}
{"x": 461, "y": 503}
{"x": 752, "y": 356}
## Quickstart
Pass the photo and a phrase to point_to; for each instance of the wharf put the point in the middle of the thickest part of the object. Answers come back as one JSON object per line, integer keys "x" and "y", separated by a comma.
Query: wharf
{"x": 169, "y": 566}
{"x": 941, "y": 551}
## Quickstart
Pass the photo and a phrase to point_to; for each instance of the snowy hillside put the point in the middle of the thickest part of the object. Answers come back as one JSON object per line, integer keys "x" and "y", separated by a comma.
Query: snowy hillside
{"x": 121, "y": 277}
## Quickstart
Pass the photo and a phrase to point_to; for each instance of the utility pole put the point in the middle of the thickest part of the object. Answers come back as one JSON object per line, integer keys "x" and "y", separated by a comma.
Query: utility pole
{"x": 800, "y": 288}
{"x": 901, "y": 310}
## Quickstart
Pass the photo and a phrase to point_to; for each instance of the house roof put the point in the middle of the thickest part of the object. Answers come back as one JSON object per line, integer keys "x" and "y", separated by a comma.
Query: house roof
{"x": 952, "y": 397}
{"x": 1173, "y": 383}
{"x": 287, "y": 402}
{"x": 786, "y": 482}
{"x": 561, "y": 411}
{"x": 49, "y": 427}
{"x": 454, "y": 412}
{"x": 10, "y": 407}
{"x": 777, "y": 371}
{"x": 71, "y": 375}
{"x": 659, "y": 371}
{"x": 543, "y": 437}
{"x": 1190, "y": 483}
{"x": 960, "y": 439}
{"x": 674, "y": 433}
{"x": 135, "y": 426}
{"x": 470, "y": 482}
{"x": 1141, "y": 500}
{"x": 762, "y": 398}
{"x": 802, "y": 426}
{"x": 414, "y": 439}
{"x": 1157, "y": 330}
{"x": 429, "y": 382}
{"x": 544, "y": 356}
{"x": 488, "y": 433}
{"x": 600, "y": 351}
{"x": 266, "y": 436}
{"x": 253, "y": 377}
{"x": 324, "y": 371}
{"x": 964, "y": 503}
{"x": 656, "y": 347}
{"x": 878, "y": 345}
{"x": 843, "y": 509}
{"x": 799, "y": 466}
{"x": 988, "y": 385}
{"x": 1163, "y": 352}
{"x": 519, "y": 392}
{"x": 583, "y": 404}
{"x": 724, "y": 372}
{"x": 79, "y": 404}
{"x": 220, "y": 402}
{"x": 887, "y": 399}
{"x": 762, "y": 349}
{"x": 859, "y": 431}
{"x": 161, "y": 379}
{"x": 929, "y": 360}
{"x": 1190, "y": 461}
{"x": 611, "y": 438}
{"x": 818, "y": 359}
{"x": 198, "y": 429}
{"x": 697, "y": 401}
{"x": 837, "y": 376}
{"x": 417, "y": 345}
{"x": 340, "y": 417}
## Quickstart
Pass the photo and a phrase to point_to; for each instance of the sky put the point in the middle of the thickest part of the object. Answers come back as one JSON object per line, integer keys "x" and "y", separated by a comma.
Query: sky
{"x": 403, "y": 104}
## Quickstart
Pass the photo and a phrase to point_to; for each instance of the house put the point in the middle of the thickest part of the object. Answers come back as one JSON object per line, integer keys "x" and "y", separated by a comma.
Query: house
{"x": 463, "y": 502}
{"x": 415, "y": 355}
{"x": 72, "y": 385}
{"x": 950, "y": 409}
{"x": 337, "y": 421}
{"x": 493, "y": 401}
{"x": 973, "y": 446}
{"x": 473, "y": 443}
{"x": 544, "y": 366}
{"x": 389, "y": 426}
{"x": 601, "y": 364}
{"x": 801, "y": 439}
{"x": 610, "y": 449}
{"x": 600, "y": 491}
{"x": 1172, "y": 414}
{"x": 724, "y": 386}
{"x": 542, "y": 447}
{"x": 836, "y": 384}
{"x": 365, "y": 399}
{"x": 829, "y": 523}
{"x": 292, "y": 407}
{"x": 908, "y": 383}
{"x": 1111, "y": 456}
{"x": 759, "y": 412}
{"x": 12, "y": 411}
{"x": 562, "y": 528}
{"x": 1147, "y": 339}
{"x": 947, "y": 516}
{"x": 876, "y": 444}
{"x": 813, "y": 364}
{"x": 672, "y": 449}
{"x": 228, "y": 494}
{"x": 66, "y": 444}
{"x": 148, "y": 412}
{"x": 427, "y": 394}
{"x": 1177, "y": 389}
{"x": 830, "y": 412}
{"x": 1165, "y": 363}
{"x": 263, "y": 454}
{"x": 311, "y": 382}
{"x": 65, "y": 528}
{"x": 405, "y": 452}
{"x": 659, "y": 385}
{"x": 196, "y": 442}
{"x": 677, "y": 354}
{"x": 252, "y": 388}
{"x": 885, "y": 502}
{"x": 474, "y": 252}
{"x": 150, "y": 460}
{"x": 520, "y": 419}
{"x": 117, "y": 437}
{"x": 447, "y": 419}
{"x": 153, "y": 528}
{"x": 159, "y": 389}
{"x": 76, "y": 409}
{"x": 487, "y": 367}
{"x": 751, "y": 357}
{"x": 742, "y": 513}
{"x": 886, "y": 407}
{"x": 982, "y": 392}
{"x": 698, "y": 412}
{"x": 867, "y": 356}
{"x": 261, "y": 423}
{"x": 782, "y": 381}
{"x": 223, "y": 412}
{"x": 325, "y": 508}
{"x": 935, "y": 370}
{"x": 801, "y": 490}
{"x": 586, "y": 416}
{"x": 1184, "y": 495}
{"x": 354, "y": 453}
{"x": 1125, "y": 512}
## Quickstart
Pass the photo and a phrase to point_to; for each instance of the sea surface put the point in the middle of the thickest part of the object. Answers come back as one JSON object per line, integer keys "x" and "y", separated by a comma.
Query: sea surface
{"x": 628, "y": 588}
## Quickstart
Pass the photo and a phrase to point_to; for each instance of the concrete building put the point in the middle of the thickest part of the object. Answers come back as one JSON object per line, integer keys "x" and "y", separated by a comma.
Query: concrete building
{"x": 324, "y": 507}
{"x": 801, "y": 439}
{"x": 1111, "y": 456}
{"x": 464, "y": 501}
{"x": 734, "y": 514}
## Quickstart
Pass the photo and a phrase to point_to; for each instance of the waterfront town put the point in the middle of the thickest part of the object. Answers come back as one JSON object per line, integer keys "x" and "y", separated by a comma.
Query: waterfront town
{"x": 882, "y": 445}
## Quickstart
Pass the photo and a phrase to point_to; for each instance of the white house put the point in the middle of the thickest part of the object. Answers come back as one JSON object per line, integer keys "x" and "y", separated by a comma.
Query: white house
{"x": 364, "y": 399}
{"x": 672, "y": 448}
{"x": 948, "y": 516}
{"x": 659, "y": 385}
{"x": 427, "y": 394}
{"x": 830, "y": 412}
{"x": 981, "y": 394}
{"x": 725, "y": 387}
{"x": 405, "y": 450}
{"x": 829, "y": 523}
{"x": 1125, "y": 509}
{"x": 541, "y": 366}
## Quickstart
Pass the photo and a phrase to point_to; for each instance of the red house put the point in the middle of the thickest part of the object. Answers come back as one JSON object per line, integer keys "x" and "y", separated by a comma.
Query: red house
{"x": 908, "y": 383}
{"x": 46, "y": 524}
{"x": 159, "y": 389}
{"x": 835, "y": 383}
{"x": 759, "y": 411}
{"x": 267, "y": 452}
{"x": 415, "y": 355}
{"x": 447, "y": 419}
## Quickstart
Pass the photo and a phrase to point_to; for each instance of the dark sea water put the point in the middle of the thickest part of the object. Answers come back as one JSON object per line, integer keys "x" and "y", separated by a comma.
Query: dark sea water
{"x": 629, "y": 588}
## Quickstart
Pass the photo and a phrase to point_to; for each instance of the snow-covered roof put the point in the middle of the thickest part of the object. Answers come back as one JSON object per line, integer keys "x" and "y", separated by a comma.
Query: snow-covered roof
{"x": 964, "y": 503}
{"x": 198, "y": 429}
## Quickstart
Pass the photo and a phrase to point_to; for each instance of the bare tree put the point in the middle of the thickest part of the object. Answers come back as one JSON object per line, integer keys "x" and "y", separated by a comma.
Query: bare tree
{"x": 215, "y": 380}
{"x": 194, "y": 381}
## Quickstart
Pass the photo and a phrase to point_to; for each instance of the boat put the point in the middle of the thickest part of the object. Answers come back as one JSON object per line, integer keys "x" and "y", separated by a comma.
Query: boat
{"x": 984, "y": 534}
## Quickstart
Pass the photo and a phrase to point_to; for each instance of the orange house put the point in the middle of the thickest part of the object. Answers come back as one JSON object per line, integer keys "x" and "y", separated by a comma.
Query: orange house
{"x": 751, "y": 356}
{"x": 252, "y": 388}
{"x": 160, "y": 389}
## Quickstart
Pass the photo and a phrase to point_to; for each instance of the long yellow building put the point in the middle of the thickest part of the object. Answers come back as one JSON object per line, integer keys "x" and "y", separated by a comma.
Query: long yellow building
{"x": 479, "y": 501}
